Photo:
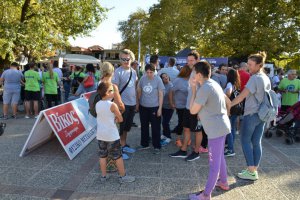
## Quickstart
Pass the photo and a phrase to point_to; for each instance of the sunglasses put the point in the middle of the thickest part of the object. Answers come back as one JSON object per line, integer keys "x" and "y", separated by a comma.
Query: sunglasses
{"x": 125, "y": 59}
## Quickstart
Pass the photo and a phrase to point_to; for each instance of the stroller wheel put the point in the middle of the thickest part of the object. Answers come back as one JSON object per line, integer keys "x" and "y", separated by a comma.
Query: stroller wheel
{"x": 289, "y": 140}
{"x": 268, "y": 134}
{"x": 279, "y": 133}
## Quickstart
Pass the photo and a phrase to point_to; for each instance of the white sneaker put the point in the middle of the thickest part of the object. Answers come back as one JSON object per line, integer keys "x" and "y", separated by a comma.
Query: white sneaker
{"x": 35, "y": 117}
{"x": 162, "y": 137}
{"x": 237, "y": 132}
{"x": 126, "y": 179}
{"x": 27, "y": 117}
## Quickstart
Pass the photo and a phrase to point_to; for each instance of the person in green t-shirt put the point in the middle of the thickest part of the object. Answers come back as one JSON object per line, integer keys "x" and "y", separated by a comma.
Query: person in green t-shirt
{"x": 289, "y": 87}
{"x": 50, "y": 81}
{"x": 32, "y": 90}
{"x": 76, "y": 74}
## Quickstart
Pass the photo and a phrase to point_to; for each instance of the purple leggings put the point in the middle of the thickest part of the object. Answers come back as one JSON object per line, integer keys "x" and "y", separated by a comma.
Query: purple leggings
{"x": 217, "y": 163}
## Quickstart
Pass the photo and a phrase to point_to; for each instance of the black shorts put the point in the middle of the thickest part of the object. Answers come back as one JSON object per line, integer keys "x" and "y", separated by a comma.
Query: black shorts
{"x": 191, "y": 121}
{"x": 51, "y": 97}
{"x": 111, "y": 149}
{"x": 128, "y": 116}
{"x": 32, "y": 96}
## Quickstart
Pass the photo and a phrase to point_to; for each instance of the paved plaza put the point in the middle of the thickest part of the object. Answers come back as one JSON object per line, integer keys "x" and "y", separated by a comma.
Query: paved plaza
{"x": 47, "y": 172}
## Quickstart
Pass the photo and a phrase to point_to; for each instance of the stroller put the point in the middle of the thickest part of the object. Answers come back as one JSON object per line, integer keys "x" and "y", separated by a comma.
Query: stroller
{"x": 287, "y": 124}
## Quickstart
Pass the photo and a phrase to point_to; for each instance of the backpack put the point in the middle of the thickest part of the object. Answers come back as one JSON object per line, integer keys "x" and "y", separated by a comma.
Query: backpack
{"x": 75, "y": 80}
{"x": 268, "y": 108}
{"x": 94, "y": 98}
{"x": 238, "y": 109}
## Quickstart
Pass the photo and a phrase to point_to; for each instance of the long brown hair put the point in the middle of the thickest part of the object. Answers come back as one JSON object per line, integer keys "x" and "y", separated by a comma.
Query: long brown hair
{"x": 185, "y": 72}
{"x": 233, "y": 77}
{"x": 50, "y": 70}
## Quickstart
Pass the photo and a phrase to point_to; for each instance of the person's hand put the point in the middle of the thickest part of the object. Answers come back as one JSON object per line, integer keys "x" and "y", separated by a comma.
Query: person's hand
{"x": 137, "y": 107}
{"x": 172, "y": 105}
{"x": 159, "y": 112}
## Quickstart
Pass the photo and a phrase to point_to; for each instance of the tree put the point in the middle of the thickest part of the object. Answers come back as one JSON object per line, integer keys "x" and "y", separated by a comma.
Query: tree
{"x": 35, "y": 27}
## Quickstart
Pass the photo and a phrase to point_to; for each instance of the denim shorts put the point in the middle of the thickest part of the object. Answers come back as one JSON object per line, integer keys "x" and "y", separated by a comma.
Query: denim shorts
{"x": 111, "y": 149}
{"x": 11, "y": 97}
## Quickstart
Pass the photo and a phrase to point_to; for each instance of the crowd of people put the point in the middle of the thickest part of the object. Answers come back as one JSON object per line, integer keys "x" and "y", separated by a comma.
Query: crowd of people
{"x": 212, "y": 104}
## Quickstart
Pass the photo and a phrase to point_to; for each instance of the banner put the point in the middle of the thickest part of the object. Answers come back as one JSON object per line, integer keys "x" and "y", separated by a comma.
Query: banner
{"x": 69, "y": 122}
{"x": 87, "y": 95}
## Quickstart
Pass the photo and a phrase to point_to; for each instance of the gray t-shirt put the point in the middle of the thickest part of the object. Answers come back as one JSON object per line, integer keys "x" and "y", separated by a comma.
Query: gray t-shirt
{"x": 213, "y": 113}
{"x": 166, "y": 102}
{"x": 12, "y": 79}
{"x": 221, "y": 79}
{"x": 257, "y": 85}
{"x": 149, "y": 97}
{"x": 170, "y": 71}
{"x": 180, "y": 89}
{"x": 121, "y": 76}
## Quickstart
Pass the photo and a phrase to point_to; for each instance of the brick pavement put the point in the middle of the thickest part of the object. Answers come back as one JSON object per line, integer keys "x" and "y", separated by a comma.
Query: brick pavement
{"x": 47, "y": 173}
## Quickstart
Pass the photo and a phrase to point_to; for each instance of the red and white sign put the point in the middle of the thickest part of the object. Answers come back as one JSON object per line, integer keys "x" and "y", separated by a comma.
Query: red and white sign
{"x": 70, "y": 123}
{"x": 88, "y": 95}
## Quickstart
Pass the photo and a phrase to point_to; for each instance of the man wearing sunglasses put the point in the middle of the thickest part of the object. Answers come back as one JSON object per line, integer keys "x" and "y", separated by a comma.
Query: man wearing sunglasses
{"x": 126, "y": 79}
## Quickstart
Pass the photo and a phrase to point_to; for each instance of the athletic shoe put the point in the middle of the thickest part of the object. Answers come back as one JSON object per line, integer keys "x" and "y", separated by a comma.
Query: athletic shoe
{"x": 126, "y": 179}
{"x": 223, "y": 186}
{"x": 199, "y": 196}
{"x": 127, "y": 149}
{"x": 125, "y": 156}
{"x": 27, "y": 117}
{"x": 143, "y": 148}
{"x": 229, "y": 153}
{"x": 179, "y": 154}
{"x": 134, "y": 124}
{"x": 193, "y": 156}
{"x": 14, "y": 117}
{"x": 156, "y": 151}
{"x": 4, "y": 117}
{"x": 103, "y": 178}
{"x": 165, "y": 142}
{"x": 35, "y": 117}
{"x": 247, "y": 175}
{"x": 203, "y": 150}
{"x": 178, "y": 142}
{"x": 162, "y": 137}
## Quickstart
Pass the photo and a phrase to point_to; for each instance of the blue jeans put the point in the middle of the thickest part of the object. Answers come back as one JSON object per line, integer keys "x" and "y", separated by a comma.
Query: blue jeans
{"x": 251, "y": 134}
{"x": 231, "y": 136}
{"x": 166, "y": 117}
{"x": 67, "y": 88}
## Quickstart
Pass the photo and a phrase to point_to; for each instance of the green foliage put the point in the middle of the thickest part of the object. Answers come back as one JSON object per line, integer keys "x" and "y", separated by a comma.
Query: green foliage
{"x": 218, "y": 28}
{"x": 35, "y": 27}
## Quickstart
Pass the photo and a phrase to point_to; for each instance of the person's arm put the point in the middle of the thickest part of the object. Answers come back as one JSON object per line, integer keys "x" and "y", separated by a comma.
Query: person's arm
{"x": 171, "y": 99}
{"x": 117, "y": 99}
{"x": 160, "y": 102}
{"x": 240, "y": 97}
{"x": 228, "y": 103}
{"x": 194, "y": 107}
{"x": 114, "y": 109}
{"x": 138, "y": 97}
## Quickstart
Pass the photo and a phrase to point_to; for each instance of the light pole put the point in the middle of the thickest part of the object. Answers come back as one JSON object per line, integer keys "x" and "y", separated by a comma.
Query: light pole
{"x": 139, "y": 50}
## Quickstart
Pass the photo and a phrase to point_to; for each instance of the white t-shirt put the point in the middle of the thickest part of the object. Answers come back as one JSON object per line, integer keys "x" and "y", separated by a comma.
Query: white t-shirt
{"x": 106, "y": 127}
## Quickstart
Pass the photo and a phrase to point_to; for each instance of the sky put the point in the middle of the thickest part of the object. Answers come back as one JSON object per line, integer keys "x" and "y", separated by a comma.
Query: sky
{"x": 107, "y": 32}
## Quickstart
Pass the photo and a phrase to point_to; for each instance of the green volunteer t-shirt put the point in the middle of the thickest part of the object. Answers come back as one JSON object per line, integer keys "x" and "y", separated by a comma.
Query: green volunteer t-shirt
{"x": 32, "y": 79}
{"x": 288, "y": 98}
{"x": 97, "y": 76}
{"x": 50, "y": 84}
{"x": 77, "y": 74}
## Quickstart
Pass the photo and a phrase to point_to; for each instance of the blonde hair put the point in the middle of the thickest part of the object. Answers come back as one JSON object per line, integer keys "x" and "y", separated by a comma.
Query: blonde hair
{"x": 107, "y": 69}
{"x": 259, "y": 58}
{"x": 127, "y": 52}
{"x": 50, "y": 70}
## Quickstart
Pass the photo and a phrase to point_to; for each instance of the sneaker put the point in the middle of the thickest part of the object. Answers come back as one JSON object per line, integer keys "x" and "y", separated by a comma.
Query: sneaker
{"x": 134, "y": 124}
{"x": 127, "y": 149}
{"x": 165, "y": 142}
{"x": 156, "y": 151}
{"x": 247, "y": 175}
{"x": 179, "y": 154}
{"x": 4, "y": 117}
{"x": 143, "y": 148}
{"x": 35, "y": 117}
{"x": 203, "y": 150}
{"x": 126, "y": 179}
{"x": 229, "y": 153}
{"x": 237, "y": 132}
{"x": 193, "y": 156}
{"x": 178, "y": 142}
{"x": 125, "y": 156}
{"x": 223, "y": 186}
{"x": 103, "y": 178}
{"x": 199, "y": 196}
{"x": 162, "y": 137}
{"x": 27, "y": 117}
{"x": 14, "y": 117}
